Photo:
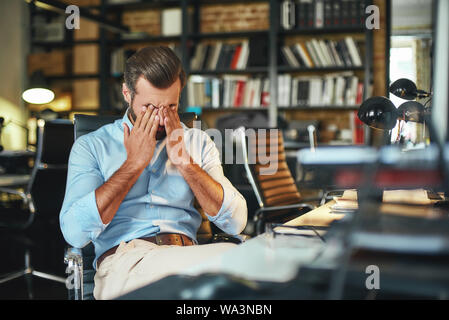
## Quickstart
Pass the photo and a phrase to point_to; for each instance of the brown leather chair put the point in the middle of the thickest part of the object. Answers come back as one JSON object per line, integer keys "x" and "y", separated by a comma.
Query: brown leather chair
{"x": 270, "y": 177}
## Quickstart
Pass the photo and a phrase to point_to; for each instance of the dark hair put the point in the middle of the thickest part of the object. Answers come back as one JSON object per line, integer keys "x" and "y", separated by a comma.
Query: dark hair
{"x": 159, "y": 65}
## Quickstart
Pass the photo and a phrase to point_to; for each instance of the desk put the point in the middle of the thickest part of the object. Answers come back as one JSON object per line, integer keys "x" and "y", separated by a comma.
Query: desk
{"x": 14, "y": 180}
{"x": 319, "y": 217}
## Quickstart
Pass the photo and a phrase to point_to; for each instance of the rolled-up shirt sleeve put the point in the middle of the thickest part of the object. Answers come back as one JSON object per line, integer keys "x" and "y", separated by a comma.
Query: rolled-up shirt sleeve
{"x": 233, "y": 214}
{"x": 79, "y": 217}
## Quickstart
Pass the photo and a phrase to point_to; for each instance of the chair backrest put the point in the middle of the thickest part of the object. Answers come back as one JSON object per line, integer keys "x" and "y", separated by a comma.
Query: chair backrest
{"x": 49, "y": 174}
{"x": 261, "y": 152}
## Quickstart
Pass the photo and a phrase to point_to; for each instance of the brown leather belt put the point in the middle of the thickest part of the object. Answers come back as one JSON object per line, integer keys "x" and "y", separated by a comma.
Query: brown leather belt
{"x": 160, "y": 239}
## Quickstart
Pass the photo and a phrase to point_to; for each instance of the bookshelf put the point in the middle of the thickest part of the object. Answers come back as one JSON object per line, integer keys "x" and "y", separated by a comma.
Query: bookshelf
{"x": 194, "y": 32}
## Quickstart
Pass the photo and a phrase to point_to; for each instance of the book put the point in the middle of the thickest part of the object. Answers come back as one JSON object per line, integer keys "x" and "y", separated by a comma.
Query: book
{"x": 316, "y": 91}
{"x": 297, "y": 56}
{"x": 289, "y": 57}
{"x": 339, "y": 91}
{"x": 313, "y": 54}
{"x": 319, "y": 14}
{"x": 216, "y": 54}
{"x": 325, "y": 52}
{"x": 343, "y": 52}
{"x": 353, "y": 51}
{"x": 239, "y": 93}
{"x": 216, "y": 96}
{"x": 328, "y": 21}
{"x": 171, "y": 22}
{"x": 243, "y": 60}
{"x": 264, "y": 97}
{"x": 306, "y": 58}
{"x": 235, "y": 57}
{"x": 301, "y": 14}
{"x": 287, "y": 14}
{"x": 336, "y": 13}
{"x": 337, "y": 57}
{"x": 320, "y": 53}
{"x": 354, "y": 12}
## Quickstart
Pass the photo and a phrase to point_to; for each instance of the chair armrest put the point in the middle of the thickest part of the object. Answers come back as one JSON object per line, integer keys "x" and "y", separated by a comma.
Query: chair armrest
{"x": 224, "y": 237}
{"x": 291, "y": 206}
{"x": 258, "y": 216}
{"x": 74, "y": 260}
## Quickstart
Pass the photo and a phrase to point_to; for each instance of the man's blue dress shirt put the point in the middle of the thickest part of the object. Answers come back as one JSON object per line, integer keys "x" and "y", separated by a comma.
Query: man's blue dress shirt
{"x": 160, "y": 201}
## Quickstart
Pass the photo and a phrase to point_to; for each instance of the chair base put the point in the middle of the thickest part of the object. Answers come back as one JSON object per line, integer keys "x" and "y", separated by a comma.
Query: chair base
{"x": 28, "y": 272}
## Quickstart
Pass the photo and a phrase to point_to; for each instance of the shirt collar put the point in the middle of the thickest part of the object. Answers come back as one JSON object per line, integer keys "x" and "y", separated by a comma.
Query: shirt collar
{"x": 126, "y": 120}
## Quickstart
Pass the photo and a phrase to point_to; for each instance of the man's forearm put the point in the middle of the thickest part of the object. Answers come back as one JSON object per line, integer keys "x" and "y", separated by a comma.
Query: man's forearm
{"x": 111, "y": 194}
{"x": 208, "y": 192}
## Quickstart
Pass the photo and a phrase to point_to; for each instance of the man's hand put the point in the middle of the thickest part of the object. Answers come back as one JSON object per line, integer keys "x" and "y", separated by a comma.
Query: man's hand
{"x": 176, "y": 149}
{"x": 141, "y": 141}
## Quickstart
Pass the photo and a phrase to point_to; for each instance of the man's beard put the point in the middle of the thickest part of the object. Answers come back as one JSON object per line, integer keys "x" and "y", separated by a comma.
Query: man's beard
{"x": 160, "y": 134}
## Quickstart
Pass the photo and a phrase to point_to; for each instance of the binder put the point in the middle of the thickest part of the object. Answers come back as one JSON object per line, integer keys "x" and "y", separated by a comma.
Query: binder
{"x": 319, "y": 14}
{"x": 328, "y": 21}
{"x": 287, "y": 14}
{"x": 336, "y": 12}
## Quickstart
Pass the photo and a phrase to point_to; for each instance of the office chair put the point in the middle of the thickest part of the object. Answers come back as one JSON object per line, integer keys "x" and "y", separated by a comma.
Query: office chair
{"x": 80, "y": 260}
{"x": 42, "y": 200}
{"x": 276, "y": 192}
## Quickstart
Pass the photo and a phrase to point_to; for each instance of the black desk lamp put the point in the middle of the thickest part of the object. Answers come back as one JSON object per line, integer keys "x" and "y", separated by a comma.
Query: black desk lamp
{"x": 407, "y": 90}
{"x": 380, "y": 112}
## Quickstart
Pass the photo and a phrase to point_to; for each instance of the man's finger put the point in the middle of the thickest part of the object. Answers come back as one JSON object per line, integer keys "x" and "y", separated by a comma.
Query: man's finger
{"x": 154, "y": 127}
{"x": 140, "y": 114}
{"x": 149, "y": 111}
{"x": 151, "y": 121}
{"x": 167, "y": 121}
{"x": 125, "y": 132}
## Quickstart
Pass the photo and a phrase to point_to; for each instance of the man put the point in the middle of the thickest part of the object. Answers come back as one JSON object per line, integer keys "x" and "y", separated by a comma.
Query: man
{"x": 131, "y": 184}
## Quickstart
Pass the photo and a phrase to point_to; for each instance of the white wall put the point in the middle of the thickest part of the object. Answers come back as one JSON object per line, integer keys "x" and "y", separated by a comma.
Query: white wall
{"x": 411, "y": 14}
{"x": 13, "y": 46}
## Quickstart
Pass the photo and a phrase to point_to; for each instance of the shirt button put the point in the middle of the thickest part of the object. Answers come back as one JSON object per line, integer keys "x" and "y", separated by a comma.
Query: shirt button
{"x": 153, "y": 170}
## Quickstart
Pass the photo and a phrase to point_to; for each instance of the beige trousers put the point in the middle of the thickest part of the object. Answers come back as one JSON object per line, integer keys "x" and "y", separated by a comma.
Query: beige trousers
{"x": 139, "y": 262}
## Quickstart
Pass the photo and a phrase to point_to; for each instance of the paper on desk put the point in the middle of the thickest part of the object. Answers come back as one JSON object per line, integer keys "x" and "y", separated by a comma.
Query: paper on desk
{"x": 416, "y": 196}
{"x": 263, "y": 258}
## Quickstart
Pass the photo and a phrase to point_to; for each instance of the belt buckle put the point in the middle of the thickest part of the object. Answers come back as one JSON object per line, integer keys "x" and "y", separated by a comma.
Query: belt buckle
{"x": 159, "y": 240}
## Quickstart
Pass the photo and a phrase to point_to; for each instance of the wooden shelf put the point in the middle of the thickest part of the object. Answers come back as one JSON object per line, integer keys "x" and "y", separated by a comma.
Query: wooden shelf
{"x": 354, "y": 29}
{"x": 62, "y": 44}
{"x": 319, "y": 69}
{"x": 222, "y": 35}
{"x": 295, "y": 108}
{"x": 119, "y": 42}
{"x": 73, "y": 77}
{"x": 145, "y": 4}
{"x": 251, "y": 70}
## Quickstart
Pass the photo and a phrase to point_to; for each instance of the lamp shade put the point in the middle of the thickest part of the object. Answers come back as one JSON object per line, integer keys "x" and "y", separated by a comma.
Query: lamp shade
{"x": 404, "y": 88}
{"x": 411, "y": 111}
{"x": 38, "y": 92}
{"x": 378, "y": 113}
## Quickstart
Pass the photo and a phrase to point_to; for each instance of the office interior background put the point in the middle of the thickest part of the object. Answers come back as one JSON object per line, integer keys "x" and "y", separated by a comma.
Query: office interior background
{"x": 261, "y": 63}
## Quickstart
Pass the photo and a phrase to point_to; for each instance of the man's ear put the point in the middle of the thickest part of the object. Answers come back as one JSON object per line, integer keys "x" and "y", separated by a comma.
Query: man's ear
{"x": 126, "y": 93}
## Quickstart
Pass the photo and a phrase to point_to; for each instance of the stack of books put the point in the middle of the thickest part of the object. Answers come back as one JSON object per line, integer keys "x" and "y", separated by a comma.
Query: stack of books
{"x": 340, "y": 89}
{"x": 322, "y": 53}
{"x": 316, "y": 14}
{"x": 220, "y": 56}
{"x": 234, "y": 91}
{"x": 229, "y": 91}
